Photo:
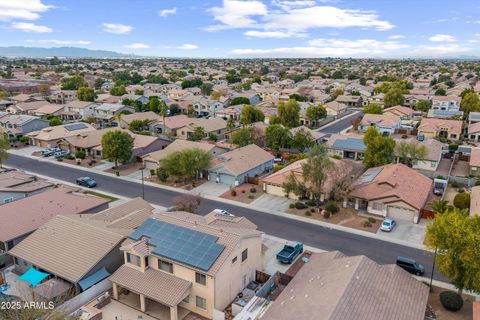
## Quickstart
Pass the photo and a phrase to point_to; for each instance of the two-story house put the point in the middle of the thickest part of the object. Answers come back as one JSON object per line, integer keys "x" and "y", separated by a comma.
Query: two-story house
{"x": 107, "y": 115}
{"x": 188, "y": 263}
{"x": 16, "y": 126}
{"x": 445, "y": 107}
{"x": 205, "y": 107}
{"x": 386, "y": 124}
{"x": 77, "y": 110}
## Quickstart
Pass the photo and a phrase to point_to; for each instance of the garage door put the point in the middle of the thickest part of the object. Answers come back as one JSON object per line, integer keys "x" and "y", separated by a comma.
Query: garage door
{"x": 400, "y": 213}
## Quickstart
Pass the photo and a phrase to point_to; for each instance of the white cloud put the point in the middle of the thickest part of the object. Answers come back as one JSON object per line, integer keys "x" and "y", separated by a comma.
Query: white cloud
{"x": 137, "y": 45}
{"x": 326, "y": 48}
{"x": 21, "y": 9}
{"x": 396, "y": 37}
{"x": 187, "y": 46}
{"x": 273, "y": 34}
{"x": 291, "y": 17}
{"x": 442, "y": 38}
{"x": 237, "y": 14}
{"x": 30, "y": 27}
{"x": 117, "y": 28}
{"x": 441, "y": 50}
{"x": 61, "y": 42}
{"x": 166, "y": 12}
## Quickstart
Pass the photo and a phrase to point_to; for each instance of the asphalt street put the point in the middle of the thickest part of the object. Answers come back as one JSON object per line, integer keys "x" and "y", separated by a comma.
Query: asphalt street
{"x": 310, "y": 234}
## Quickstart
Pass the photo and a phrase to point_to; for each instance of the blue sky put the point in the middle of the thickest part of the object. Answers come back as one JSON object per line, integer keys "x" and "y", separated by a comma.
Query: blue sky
{"x": 248, "y": 28}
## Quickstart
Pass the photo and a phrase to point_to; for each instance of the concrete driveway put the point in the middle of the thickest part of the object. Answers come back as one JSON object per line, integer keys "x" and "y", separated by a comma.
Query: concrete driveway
{"x": 27, "y": 151}
{"x": 269, "y": 202}
{"x": 211, "y": 188}
{"x": 407, "y": 231}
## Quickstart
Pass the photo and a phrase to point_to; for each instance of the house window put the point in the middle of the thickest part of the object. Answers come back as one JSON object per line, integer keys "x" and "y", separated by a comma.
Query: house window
{"x": 201, "y": 302}
{"x": 15, "y": 260}
{"x": 7, "y": 200}
{"x": 234, "y": 260}
{"x": 377, "y": 206}
{"x": 453, "y": 136}
{"x": 200, "y": 278}
{"x": 165, "y": 266}
{"x": 2, "y": 247}
{"x": 133, "y": 259}
{"x": 433, "y": 164}
{"x": 244, "y": 255}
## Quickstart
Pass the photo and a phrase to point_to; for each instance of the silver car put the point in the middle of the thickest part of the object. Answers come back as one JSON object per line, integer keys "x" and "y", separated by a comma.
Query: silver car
{"x": 388, "y": 224}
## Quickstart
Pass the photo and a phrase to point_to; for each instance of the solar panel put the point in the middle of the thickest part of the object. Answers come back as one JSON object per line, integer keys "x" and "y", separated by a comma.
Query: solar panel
{"x": 197, "y": 249}
{"x": 350, "y": 144}
{"x": 75, "y": 126}
{"x": 368, "y": 176}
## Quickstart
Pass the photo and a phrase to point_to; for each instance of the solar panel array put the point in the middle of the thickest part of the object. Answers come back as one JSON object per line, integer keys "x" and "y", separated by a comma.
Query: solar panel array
{"x": 350, "y": 144}
{"x": 76, "y": 126}
{"x": 190, "y": 247}
{"x": 368, "y": 176}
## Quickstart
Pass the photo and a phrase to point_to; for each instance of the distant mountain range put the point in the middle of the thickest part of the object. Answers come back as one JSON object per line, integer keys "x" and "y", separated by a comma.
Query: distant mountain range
{"x": 38, "y": 52}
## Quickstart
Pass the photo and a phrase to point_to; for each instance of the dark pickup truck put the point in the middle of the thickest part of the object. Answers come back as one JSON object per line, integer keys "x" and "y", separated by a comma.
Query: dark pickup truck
{"x": 289, "y": 253}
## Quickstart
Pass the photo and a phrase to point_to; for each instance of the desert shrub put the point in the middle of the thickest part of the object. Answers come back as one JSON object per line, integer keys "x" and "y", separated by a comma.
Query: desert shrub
{"x": 233, "y": 192}
{"x": 461, "y": 190}
{"x": 24, "y": 139}
{"x": 152, "y": 172}
{"x": 308, "y": 213}
{"x": 367, "y": 224}
{"x": 477, "y": 183}
{"x": 251, "y": 197}
{"x": 162, "y": 174}
{"x": 326, "y": 214}
{"x": 312, "y": 210}
{"x": 80, "y": 154}
{"x": 69, "y": 157}
{"x": 291, "y": 205}
{"x": 332, "y": 208}
{"x": 455, "y": 185}
{"x": 451, "y": 301}
{"x": 462, "y": 200}
{"x": 336, "y": 156}
{"x": 253, "y": 190}
{"x": 300, "y": 205}
{"x": 59, "y": 159}
{"x": 372, "y": 220}
{"x": 278, "y": 167}
{"x": 310, "y": 203}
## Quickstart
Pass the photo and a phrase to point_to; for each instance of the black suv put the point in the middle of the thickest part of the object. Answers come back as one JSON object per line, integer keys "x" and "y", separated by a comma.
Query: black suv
{"x": 411, "y": 266}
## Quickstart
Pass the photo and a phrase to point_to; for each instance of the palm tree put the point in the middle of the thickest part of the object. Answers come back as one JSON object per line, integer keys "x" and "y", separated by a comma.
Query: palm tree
{"x": 230, "y": 126}
{"x": 440, "y": 206}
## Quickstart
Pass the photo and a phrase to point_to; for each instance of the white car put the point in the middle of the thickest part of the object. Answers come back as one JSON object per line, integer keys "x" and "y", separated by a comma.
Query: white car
{"x": 224, "y": 212}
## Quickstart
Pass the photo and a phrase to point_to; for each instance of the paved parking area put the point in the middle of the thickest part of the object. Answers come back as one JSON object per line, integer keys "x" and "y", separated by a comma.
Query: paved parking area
{"x": 270, "y": 202}
{"x": 27, "y": 151}
{"x": 407, "y": 231}
{"x": 211, "y": 188}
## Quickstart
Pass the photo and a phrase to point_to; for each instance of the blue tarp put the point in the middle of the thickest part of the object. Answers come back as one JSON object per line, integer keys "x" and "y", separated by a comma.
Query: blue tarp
{"x": 33, "y": 276}
{"x": 93, "y": 279}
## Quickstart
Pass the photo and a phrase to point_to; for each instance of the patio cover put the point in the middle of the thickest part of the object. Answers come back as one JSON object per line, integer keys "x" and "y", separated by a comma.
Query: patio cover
{"x": 93, "y": 279}
{"x": 33, "y": 276}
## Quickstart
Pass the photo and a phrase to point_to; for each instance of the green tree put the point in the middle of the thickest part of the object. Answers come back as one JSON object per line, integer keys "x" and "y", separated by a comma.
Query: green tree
{"x": 188, "y": 163}
{"x": 197, "y": 134}
{"x": 117, "y": 146}
{"x": 297, "y": 97}
{"x": 243, "y": 137}
{"x": 409, "y": 152}
{"x": 315, "y": 171}
{"x": 289, "y": 113}
{"x": 277, "y": 136}
{"x": 292, "y": 185}
{"x": 440, "y": 92}
{"x": 239, "y": 100}
{"x": 422, "y": 105}
{"x": 301, "y": 140}
{"x": 465, "y": 91}
{"x": 380, "y": 150}
{"x": 230, "y": 127}
{"x": 118, "y": 91}
{"x": 470, "y": 103}
{"x": 73, "y": 83}
{"x": 394, "y": 97}
{"x": 98, "y": 83}
{"x": 273, "y": 119}
{"x": 139, "y": 125}
{"x": 462, "y": 200}
{"x": 154, "y": 104}
{"x": 206, "y": 88}
{"x": 373, "y": 108}
{"x": 440, "y": 206}
{"x": 316, "y": 112}
{"x": 4, "y": 146}
{"x": 54, "y": 121}
{"x": 174, "y": 109}
{"x": 337, "y": 92}
{"x": 455, "y": 235}
{"x": 86, "y": 94}
{"x": 162, "y": 109}
{"x": 250, "y": 114}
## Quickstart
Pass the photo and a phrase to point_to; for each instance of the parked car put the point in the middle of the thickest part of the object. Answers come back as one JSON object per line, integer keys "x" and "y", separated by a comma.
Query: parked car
{"x": 86, "y": 182}
{"x": 411, "y": 266}
{"x": 50, "y": 151}
{"x": 224, "y": 212}
{"x": 388, "y": 224}
{"x": 289, "y": 253}
{"x": 171, "y": 209}
{"x": 61, "y": 154}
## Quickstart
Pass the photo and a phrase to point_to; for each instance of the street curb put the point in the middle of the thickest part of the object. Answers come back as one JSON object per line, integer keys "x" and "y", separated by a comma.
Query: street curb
{"x": 247, "y": 206}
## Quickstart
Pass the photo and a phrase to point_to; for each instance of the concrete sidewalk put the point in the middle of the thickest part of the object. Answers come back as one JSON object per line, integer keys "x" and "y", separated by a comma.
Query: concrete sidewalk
{"x": 254, "y": 208}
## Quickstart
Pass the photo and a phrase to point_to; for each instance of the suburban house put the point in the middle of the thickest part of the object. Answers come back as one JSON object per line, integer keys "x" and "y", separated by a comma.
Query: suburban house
{"x": 411, "y": 99}
{"x": 251, "y": 95}
{"x": 404, "y": 113}
{"x": 135, "y": 97}
{"x": 63, "y": 96}
{"x": 341, "y": 170}
{"x": 474, "y": 132}
{"x": 473, "y": 117}
{"x": 149, "y": 116}
{"x": 171, "y": 125}
{"x": 442, "y": 128}
{"x": 392, "y": 190}
{"x": 445, "y": 107}
{"x": 188, "y": 263}
{"x": 27, "y": 107}
{"x": 50, "y": 136}
{"x": 345, "y": 147}
{"x": 19, "y": 125}
{"x": 49, "y": 110}
{"x": 350, "y": 101}
{"x": 108, "y": 114}
{"x": 316, "y": 136}
{"x": 234, "y": 167}
{"x": 335, "y": 108}
{"x": 232, "y": 112}
{"x": 386, "y": 124}
{"x": 78, "y": 110}
{"x": 15, "y": 185}
{"x": 436, "y": 149}
{"x": 474, "y": 163}
{"x": 75, "y": 252}
{"x": 22, "y": 217}
{"x": 212, "y": 126}
{"x": 152, "y": 159}
{"x": 91, "y": 143}
{"x": 4, "y": 104}
{"x": 205, "y": 107}
{"x": 334, "y": 286}
{"x": 475, "y": 201}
